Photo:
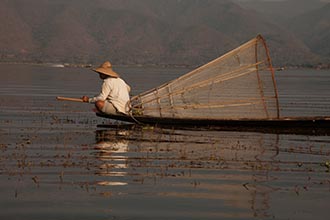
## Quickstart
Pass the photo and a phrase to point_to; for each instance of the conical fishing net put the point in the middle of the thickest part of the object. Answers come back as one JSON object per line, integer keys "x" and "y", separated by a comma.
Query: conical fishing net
{"x": 237, "y": 85}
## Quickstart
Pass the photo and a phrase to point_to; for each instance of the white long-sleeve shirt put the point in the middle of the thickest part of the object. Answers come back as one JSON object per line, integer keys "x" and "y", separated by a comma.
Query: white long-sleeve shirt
{"x": 116, "y": 91}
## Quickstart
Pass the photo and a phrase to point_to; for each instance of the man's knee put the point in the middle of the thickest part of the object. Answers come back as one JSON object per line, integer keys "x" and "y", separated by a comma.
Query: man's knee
{"x": 99, "y": 105}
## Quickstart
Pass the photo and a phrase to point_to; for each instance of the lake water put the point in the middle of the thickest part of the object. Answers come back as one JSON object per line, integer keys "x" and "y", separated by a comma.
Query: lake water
{"x": 56, "y": 163}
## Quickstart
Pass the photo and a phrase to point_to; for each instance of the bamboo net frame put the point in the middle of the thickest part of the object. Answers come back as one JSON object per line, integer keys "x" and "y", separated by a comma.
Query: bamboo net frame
{"x": 238, "y": 85}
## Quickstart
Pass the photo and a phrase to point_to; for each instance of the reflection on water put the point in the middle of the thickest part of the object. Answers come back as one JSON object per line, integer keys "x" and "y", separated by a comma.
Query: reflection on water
{"x": 226, "y": 170}
{"x": 179, "y": 173}
{"x": 113, "y": 155}
{"x": 55, "y": 163}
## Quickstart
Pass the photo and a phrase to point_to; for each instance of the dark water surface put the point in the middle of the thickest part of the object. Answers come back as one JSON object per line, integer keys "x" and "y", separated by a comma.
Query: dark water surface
{"x": 55, "y": 163}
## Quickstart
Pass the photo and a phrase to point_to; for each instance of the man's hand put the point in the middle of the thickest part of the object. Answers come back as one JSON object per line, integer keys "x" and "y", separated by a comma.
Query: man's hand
{"x": 85, "y": 99}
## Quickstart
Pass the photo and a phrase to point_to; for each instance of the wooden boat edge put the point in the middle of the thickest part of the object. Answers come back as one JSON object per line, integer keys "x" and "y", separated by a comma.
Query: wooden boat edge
{"x": 317, "y": 122}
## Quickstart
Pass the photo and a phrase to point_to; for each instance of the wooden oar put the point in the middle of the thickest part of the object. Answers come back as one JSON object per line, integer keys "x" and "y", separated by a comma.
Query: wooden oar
{"x": 69, "y": 99}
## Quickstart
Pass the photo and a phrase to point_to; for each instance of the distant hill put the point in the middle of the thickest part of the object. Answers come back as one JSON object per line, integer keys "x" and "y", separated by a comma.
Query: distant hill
{"x": 314, "y": 28}
{"x": 281, "y": 11}
{"x": 166, "y": 32}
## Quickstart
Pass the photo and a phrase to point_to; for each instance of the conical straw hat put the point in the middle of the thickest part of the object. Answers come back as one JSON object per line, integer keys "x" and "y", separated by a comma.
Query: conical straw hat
{"x": 106, "y": 68}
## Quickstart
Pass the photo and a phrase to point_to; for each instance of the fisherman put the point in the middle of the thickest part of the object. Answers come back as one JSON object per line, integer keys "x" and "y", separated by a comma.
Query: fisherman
{"x": 114, "y": 97}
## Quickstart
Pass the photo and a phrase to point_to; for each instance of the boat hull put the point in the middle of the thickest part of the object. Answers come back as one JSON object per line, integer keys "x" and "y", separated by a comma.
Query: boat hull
{"x": 308, "y": 124}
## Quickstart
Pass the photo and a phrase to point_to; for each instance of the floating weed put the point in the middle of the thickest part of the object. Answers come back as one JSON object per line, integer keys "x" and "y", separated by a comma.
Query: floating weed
{"x": 326, "y": 164}
{"x": 36, "y": 180}
{"x": 245, "y": 185}
{"x": 297, "y": 189}
{"x": 195, "y": 183}
{"x": 3, "y": 147}
{"x": 83, "y": 185}
{"x": 106, "y": 194}
{"x": 61, "y": 176}
{"x": 148, "y": 128}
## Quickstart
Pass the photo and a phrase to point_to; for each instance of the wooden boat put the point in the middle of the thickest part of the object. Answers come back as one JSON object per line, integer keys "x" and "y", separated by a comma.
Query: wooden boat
{"x": 235, "y": 90}
{"x": 297, "y": 125}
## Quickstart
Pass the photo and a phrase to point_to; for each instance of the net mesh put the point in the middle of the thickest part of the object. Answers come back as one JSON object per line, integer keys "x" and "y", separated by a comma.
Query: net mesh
{"x": 237, "y": 85}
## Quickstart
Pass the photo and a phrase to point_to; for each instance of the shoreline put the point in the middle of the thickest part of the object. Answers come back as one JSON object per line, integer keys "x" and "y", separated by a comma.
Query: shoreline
{"x": 89, "y": 65}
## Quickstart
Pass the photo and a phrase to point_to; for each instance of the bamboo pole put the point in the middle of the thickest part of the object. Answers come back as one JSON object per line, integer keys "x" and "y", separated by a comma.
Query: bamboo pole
{"x": 273, "y": 73}
{"x": 69, "y": 99}
{"x": 260, "y": 81}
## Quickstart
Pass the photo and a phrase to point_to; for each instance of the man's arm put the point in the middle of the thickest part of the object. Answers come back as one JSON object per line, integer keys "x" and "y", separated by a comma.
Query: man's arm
{"x": 106, "y": 88}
